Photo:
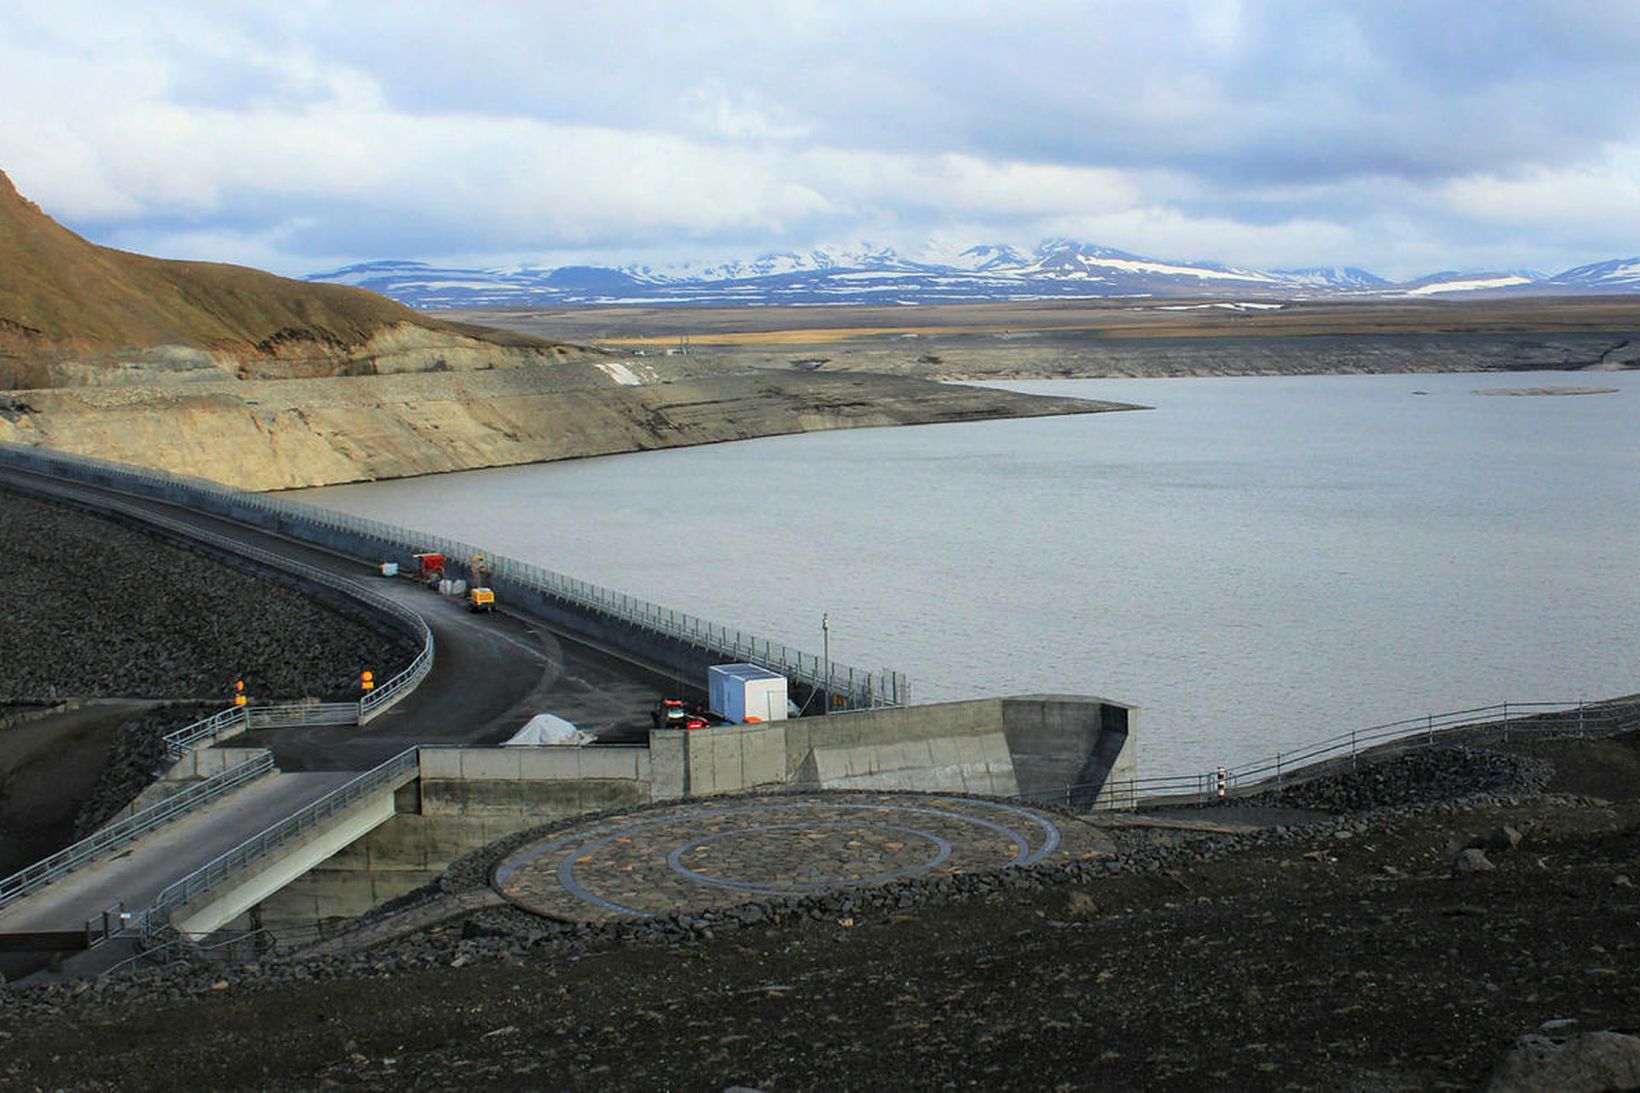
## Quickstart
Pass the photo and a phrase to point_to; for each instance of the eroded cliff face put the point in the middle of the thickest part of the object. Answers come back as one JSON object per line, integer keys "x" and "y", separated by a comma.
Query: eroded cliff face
{"x": 398, "y": 348}
{"x": 268, "y": 435}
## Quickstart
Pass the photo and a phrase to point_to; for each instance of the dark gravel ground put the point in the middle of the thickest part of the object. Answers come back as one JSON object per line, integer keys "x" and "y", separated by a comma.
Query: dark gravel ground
{"x": 138, "y": 751}
{"x": 1344, "y": 954}
{"x": 99, "y": 609}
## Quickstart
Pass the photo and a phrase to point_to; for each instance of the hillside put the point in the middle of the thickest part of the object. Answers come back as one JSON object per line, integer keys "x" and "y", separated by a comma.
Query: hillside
{"x": 75, "y": 313}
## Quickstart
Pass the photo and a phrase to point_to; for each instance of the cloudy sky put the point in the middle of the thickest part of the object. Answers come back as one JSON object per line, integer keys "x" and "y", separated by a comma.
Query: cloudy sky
{"x": 299, "y": 135}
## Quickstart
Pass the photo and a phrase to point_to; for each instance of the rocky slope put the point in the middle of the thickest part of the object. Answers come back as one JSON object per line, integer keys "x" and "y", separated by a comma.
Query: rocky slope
{"x": 113, "y": 612}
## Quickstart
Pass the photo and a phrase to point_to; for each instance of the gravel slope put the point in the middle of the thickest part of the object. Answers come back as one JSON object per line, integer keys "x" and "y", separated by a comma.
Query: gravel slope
{"x": 96, "y": 609}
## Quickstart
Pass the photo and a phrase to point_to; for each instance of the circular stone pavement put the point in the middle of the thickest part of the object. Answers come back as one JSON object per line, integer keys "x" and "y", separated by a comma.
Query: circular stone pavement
{"x": 708, "y": 854}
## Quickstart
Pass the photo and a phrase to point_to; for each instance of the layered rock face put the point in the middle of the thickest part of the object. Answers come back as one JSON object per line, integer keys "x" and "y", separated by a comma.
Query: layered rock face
{"x": 266, "y": 435}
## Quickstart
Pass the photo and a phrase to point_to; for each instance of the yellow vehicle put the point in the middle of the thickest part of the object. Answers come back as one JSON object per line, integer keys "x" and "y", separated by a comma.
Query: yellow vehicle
{"x": 480, "y": 596}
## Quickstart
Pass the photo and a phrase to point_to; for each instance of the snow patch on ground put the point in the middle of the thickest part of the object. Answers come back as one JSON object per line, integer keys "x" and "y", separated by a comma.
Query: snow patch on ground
{"x": 620, "y": 373}
{"x": 1467, "y": 286}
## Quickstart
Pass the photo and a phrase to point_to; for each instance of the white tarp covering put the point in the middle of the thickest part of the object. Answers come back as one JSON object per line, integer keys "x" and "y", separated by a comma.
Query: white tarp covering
{"x": 545, "y": 729}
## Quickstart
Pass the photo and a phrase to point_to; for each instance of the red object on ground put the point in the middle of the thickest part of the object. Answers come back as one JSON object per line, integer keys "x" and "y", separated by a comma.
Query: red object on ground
{"x": 432, "y": 565}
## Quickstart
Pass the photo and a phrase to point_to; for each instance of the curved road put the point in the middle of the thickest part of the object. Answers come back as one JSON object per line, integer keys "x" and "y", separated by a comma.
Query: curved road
{"x": 491, "y": 673}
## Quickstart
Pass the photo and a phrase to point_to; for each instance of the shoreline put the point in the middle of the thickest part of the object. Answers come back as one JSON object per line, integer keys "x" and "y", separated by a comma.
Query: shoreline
{"x": 277, "y": 435}
{"x": 295, "y": 434}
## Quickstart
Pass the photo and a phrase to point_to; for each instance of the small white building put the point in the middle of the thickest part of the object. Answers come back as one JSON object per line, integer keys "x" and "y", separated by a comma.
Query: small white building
{"x": 746, "y": 692}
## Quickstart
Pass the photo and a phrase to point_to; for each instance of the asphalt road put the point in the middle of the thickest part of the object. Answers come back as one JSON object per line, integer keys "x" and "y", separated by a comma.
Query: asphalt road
{"x": 491, "y": 672}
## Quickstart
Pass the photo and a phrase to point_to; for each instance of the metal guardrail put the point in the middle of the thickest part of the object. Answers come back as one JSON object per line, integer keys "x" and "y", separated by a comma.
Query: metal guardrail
{"x": 297, "y": 714}
{"x": 1278, "y": 769}
{"x": 205, "y": 731}
{"x": 380, "y": 699}
{"x": 857, "y": 687}
{"x": 116, "y": 835}
{"x": 155, "y": 920}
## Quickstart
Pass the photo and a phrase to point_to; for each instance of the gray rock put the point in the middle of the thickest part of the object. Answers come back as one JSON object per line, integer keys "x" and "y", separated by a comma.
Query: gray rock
{"x": 1472, "y": 860}
{"x": 1590, "y": 1063}
{"x": 1499, "y": 838}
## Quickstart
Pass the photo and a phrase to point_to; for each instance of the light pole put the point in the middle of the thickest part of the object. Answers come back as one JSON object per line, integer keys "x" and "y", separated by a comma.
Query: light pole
{"x": 825, "y": 643}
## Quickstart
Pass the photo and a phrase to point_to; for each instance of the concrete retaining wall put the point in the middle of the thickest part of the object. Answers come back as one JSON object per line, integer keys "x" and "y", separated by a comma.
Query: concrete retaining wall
{"x": 729, "y": 759}
{"x": 543, "y": 783}
{"x": 403, "y": 854}
{"x": 1027, "y": 744}
{"x": 466, "y": 798}
{"x": 1076, "y": 741}
{"x": 193, "y": 767}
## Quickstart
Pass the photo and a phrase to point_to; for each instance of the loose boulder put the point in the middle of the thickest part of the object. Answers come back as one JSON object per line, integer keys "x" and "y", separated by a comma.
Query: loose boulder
{"x": 1472, "y": 860}
{"x": 1591, "y": 1063}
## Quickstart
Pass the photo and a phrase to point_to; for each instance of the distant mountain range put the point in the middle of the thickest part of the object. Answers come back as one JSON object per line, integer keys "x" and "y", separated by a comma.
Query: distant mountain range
{"x": 1057, "y": 269}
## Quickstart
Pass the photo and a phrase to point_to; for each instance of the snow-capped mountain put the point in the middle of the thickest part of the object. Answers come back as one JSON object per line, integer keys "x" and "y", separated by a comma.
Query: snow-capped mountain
{"x": 865, "y": 274}
{"x": 1333, "y": 277}
{"x": 1617, "y": 275}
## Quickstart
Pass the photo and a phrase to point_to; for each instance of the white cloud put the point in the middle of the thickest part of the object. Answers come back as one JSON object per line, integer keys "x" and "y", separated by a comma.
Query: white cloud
{"x": 1603, "y": 194}
{"x": 1276, "y": 133}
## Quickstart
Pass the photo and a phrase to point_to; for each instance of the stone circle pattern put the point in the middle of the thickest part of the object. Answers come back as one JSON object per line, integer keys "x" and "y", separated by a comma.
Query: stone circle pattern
{"x": 709, "y": 854}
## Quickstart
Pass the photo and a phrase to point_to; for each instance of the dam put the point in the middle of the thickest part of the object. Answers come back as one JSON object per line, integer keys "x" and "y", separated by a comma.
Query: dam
{"x": 290, "y": 849}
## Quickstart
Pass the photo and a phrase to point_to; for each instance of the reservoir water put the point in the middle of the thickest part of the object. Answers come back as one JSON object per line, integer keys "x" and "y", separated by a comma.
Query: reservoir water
{"x": 1256, "y": 562}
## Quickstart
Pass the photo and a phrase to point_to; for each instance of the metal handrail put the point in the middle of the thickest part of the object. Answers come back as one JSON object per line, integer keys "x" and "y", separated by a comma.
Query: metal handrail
{"x": 116, "y": 835}
{"x": 156, "y": 918}
{"x": 378, "y": 700}
{"x": 183, "y": 740}
{"x": 1283, "y": 766}
{"x": 292, "y": 714}
{"x": 858, "y": 687}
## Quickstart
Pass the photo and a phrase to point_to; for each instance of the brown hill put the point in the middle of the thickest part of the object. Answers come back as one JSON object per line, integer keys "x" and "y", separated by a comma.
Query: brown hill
{"x": 73, "y": 312}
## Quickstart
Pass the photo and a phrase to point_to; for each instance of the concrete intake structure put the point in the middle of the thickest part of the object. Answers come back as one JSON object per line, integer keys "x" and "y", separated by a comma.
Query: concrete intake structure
{"x": 467, "y": 798}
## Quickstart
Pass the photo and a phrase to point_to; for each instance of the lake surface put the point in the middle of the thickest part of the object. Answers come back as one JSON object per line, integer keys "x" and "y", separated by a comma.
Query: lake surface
{"x": 1256, "y": 562}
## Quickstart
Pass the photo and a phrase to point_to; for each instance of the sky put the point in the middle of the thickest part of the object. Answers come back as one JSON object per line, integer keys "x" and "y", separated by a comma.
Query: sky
{"x": 298, "y": 136}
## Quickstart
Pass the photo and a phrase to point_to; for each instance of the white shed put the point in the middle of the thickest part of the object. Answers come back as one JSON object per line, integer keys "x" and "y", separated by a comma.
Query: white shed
{"x": 746, "y": 692}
